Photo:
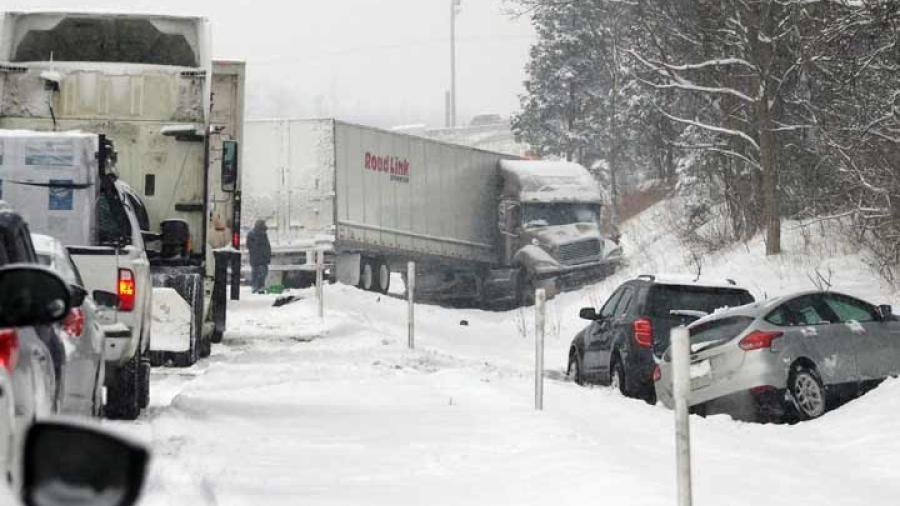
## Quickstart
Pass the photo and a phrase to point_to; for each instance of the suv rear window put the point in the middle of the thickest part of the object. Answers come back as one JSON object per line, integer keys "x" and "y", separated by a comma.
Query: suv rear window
{"x": 665, "y": 298}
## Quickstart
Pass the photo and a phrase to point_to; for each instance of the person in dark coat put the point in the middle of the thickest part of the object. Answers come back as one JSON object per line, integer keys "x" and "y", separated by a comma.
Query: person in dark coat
{"x": 260, "y": 255}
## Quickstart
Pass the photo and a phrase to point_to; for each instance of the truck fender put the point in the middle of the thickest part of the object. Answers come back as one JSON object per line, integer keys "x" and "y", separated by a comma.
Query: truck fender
{"x": 347, "y": 266}
{"x": 535, "y": 260}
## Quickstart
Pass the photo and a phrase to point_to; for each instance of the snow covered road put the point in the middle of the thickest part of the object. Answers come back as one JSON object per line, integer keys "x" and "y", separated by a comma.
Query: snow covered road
{"x": 288, "y": 411}
{"x": 292, "y": 412}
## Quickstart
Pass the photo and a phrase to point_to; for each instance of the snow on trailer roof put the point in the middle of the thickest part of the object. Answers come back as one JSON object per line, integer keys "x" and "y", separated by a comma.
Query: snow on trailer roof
{"x": 549, "y": 181}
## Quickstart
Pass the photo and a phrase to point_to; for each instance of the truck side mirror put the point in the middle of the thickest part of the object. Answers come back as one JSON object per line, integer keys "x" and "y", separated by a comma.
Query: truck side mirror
{"x": 229, "y": 165}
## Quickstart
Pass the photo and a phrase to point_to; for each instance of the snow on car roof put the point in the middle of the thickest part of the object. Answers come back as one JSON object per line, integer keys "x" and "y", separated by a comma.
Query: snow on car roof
{"x": 690, "y": 280}
{"x": 549, "y": 181}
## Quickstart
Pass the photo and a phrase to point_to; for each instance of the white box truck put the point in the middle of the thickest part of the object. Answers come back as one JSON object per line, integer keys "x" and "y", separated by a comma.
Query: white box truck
{"x": 147, "y": 83}
{"x": 483, "y": 227}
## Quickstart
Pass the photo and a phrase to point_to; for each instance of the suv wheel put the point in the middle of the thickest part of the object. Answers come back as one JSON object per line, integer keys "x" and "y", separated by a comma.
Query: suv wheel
{"x": 573, "y": 371}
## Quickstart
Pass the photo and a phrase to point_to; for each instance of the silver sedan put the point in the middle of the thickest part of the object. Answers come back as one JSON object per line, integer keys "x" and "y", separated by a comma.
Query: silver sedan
{"x": 786, "y": 357}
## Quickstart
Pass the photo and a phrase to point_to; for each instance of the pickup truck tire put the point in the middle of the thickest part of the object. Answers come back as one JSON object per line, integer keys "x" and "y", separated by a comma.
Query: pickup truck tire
{"x": 124, "y": 391}
{"x": 144, "y": 380}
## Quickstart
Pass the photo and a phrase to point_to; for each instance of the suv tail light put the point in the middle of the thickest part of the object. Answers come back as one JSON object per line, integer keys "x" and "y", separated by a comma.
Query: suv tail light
{"x": 9, "y": 348}
{"x": 657, "y": 374}
{"x": 758, "y": 340}
{"x": 643, "y": 332}
{"x": 127, "y": 290}
{"x": 74, "y": 322}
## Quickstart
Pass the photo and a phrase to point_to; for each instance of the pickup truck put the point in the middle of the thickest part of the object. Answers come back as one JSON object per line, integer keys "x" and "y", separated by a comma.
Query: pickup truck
{"x": 64, "y": 185}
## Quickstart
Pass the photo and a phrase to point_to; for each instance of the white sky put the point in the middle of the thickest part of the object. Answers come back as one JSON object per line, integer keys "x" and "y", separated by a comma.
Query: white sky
{"x": 381, "y": 62}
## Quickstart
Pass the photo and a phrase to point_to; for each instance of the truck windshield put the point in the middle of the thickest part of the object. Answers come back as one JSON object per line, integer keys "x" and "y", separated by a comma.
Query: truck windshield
{"x": 545, "y": 215}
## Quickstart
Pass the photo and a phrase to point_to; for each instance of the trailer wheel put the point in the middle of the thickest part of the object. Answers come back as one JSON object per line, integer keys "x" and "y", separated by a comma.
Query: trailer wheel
{"x": 384, "y": 277}
{"x": 367, "y": 272}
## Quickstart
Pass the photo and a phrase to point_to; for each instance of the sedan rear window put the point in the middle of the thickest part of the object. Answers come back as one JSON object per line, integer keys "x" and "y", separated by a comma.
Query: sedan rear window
{"x": 714, "y": 332}
{"x": 666, "y": 298}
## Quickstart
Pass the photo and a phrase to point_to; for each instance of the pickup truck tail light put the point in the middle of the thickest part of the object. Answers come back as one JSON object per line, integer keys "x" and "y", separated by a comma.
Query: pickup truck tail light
{"x": 74, "y": 322}
{"x": 9, "y": 349}
{"x": 643, "y": 332}
{"x": 758, "y": 340}
{"x": 127, "y": 290}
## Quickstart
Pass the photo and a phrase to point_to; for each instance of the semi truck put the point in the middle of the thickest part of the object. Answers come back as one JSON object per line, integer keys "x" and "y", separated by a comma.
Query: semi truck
{"x": 484, "y": 228}
{"x": 172, "y": 119}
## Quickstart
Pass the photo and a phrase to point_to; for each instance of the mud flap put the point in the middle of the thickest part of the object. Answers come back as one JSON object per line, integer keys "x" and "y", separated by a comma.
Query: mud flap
{"x": 219, "y": 295}
{"x": 177, "y": 321}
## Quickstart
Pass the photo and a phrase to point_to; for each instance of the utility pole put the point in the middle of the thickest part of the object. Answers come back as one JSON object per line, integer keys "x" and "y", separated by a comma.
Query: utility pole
{"x": 455, "y": 6}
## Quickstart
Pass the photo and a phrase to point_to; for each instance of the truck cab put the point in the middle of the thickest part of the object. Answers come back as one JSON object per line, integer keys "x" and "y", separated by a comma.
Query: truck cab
{"x": 549, "y": 221}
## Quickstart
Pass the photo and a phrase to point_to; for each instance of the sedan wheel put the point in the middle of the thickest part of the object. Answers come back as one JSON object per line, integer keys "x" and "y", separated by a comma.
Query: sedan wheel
{"x": 808, "y": 393}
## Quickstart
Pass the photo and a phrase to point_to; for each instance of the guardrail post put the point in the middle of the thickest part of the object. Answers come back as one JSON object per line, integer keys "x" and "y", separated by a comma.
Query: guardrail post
{"x": 681, "y": 383}
{"x": 410, "y": 295}
{"x": 540, "y": 311}
{"x": 320, "y": 281}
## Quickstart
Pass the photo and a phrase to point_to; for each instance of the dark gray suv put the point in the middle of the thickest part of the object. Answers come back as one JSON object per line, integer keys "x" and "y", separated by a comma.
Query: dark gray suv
{"x": 620, "y": 345}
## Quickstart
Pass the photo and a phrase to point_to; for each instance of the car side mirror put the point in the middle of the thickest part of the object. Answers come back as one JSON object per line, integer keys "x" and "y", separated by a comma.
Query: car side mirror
{"x": 32, "y": 295}
{"x": 106, "y": 299}
{"x": 887, "y": 312}
{"x": 66, "y": 463}
{"x": 588, "y": 313}
{"x": 229, "y": 165}
{"x": 78, "y": 295}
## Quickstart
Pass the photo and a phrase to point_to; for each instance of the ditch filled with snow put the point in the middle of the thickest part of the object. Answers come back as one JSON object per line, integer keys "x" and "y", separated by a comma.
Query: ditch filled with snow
{"x": 292, "y": 410}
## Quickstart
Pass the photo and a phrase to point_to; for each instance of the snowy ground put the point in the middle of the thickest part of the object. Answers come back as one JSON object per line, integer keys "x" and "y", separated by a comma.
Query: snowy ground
{"x": 290, "y": 410}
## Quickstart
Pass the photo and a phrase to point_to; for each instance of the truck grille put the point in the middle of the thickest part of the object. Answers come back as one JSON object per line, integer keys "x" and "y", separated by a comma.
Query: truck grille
{"x": 579, "y": 252}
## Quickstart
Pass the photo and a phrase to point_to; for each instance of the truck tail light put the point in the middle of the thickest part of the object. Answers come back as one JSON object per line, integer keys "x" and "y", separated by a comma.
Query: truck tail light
{"x": 127, "y": 290}
{"x": 9, "y": 349}
{"x": 73, "y": 324}
{"x": 643, "y": 332}
{"x": 758, "y": 340}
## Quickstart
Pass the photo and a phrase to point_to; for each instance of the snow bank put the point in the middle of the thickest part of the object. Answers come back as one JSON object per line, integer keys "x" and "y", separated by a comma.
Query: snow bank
{"x": 292, "y": 410}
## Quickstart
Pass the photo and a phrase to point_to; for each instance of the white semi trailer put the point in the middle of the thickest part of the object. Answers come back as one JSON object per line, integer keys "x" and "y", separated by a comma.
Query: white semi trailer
{"x": 483, "y": 227}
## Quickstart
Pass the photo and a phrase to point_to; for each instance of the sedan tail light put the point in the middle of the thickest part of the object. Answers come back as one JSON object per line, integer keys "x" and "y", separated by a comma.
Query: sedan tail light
{"x": 127, "y": 290}
{"x": 643, "y": 332}
{"x": 9, "y": 349}
{"x": 74, "y": 322}
{"x": 759, "y": 339}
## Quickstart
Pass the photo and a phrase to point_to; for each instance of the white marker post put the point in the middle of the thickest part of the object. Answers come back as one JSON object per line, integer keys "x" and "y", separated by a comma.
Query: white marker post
{"x": 410, "y": 295}
{"x": 681, "y": 383}
{"x": 540, "y": 310}
{"x": 320, "y": 281}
